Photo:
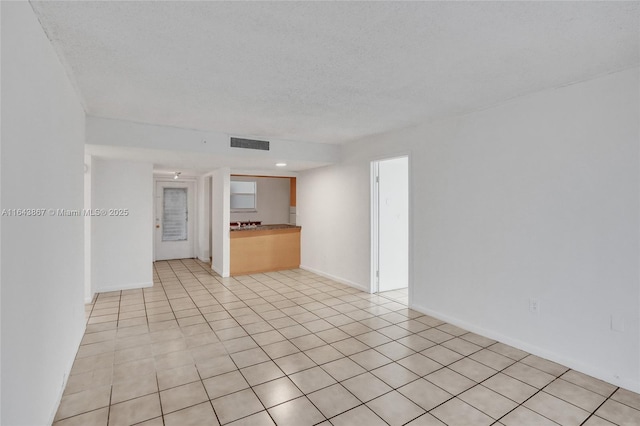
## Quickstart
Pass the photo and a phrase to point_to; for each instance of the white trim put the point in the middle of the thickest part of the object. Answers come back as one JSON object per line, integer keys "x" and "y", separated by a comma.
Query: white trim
{"x": 196, "y": 203}
{"x": 374, "y": 283}
{"x": 119, "y": 287}
{"x": 87, "y": 225}
{"x": 374, "y": 211}
{"x": 221, "y": 244}
{"x": 410, "y": 219}
{"x": 263, "y": 172}
{"x": 344, "y": 281}
{"x": 65, "y": 377}
{"x": 170, "y": 176}
{"x": 219, "y": 272}
{"x": 632, "y": 385}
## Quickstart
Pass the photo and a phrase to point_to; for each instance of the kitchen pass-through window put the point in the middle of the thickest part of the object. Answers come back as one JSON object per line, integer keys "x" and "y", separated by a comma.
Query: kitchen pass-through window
{"x": 243, "y": 195}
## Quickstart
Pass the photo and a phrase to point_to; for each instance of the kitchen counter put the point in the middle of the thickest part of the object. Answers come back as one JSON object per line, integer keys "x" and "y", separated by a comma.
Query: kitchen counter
{"x": 263, "y": 227}
{"x": 264, "y": 248}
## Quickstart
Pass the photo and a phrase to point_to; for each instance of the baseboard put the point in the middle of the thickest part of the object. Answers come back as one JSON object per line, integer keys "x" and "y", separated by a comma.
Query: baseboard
{"x": 219, "y": 271}
{"x": 588, "y": 369}
{"x": 120, "y": 287}
{"x": 204, "y": 259}
{"x": 65, "y": 377}
{"x": 341, "y": 280}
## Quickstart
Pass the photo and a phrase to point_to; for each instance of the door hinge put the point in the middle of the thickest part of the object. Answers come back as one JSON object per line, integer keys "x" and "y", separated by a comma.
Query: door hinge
{"x": 377, "y": 179}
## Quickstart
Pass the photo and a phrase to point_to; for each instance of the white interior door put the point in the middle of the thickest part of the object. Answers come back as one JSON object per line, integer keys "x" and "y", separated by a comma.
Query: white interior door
{"x": 393, "y": 223}
{"x": 174, "y": 230}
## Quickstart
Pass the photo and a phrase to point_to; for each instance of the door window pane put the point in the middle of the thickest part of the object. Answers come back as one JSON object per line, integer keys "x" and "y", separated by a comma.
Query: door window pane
{"x": 174, "y": 216}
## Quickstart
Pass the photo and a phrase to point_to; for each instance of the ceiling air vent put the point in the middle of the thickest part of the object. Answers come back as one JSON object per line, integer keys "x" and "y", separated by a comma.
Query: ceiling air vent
{"x": 249, "y": 144}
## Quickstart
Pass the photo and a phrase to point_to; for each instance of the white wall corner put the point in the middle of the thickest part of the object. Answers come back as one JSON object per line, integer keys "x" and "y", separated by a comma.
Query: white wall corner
{"x": 220, "y": 221}
{"x": 359, "y": 286}
{"x": 88, "y": 286}
{"x": 203, "y": 204}
{"x": 130, "y": 286}
{"x": 65, "y": 378}
{"x": 218, "y": 271}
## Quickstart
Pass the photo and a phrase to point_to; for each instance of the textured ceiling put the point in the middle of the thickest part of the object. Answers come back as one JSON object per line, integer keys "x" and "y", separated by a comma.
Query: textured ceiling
{"x": 325, "y": 71}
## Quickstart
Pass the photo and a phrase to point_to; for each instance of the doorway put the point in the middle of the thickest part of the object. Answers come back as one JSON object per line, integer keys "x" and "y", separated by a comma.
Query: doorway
{"x": 174, "y": 220}
{"x": 390, "y": 227}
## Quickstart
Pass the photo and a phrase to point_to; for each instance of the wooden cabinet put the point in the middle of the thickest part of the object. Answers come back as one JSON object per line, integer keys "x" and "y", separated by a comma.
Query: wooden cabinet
{"x": 264, "y": 250}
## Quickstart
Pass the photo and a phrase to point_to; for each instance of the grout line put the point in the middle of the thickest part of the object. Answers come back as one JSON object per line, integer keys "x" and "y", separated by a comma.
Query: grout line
{"x": 270, "y": 360}
{"x": 287, "y": 375}
{"x": 593, "y": 413}
{"x": 146, "y": 315}
{"x": 370, "y": 347}
{"x": 232, "y": 360}
{"x": 297, "y": 289}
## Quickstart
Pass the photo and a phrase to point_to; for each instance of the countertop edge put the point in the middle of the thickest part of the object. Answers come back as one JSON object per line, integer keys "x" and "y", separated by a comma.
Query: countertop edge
{"x": 265, "y": 228}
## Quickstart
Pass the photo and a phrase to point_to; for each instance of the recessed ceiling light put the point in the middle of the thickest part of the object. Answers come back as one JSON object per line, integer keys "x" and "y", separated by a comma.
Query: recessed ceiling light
{"x": 281, "y": 164}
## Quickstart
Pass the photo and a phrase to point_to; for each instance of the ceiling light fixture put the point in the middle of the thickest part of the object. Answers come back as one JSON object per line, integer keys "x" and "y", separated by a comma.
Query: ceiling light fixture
{"x": 281, "y": 164}
{"x": 177, "y": 175}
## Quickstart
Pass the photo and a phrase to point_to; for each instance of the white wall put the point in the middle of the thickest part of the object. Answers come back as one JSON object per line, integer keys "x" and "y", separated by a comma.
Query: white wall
{"x": 88, "y": 289}
{"x": 272, "y": 201}
{"x": 122, "y": 246}
{"x": 333, "y": 210}
{"x": 216, "y": 152}
{"x": 1, "y": 246}
{"x": 220, "y": 221}
{"x": 204, "y": 218}
{"x": 42, "y": 312}
{"x": 210, "y": 213}
{"x": 535, "y": 198}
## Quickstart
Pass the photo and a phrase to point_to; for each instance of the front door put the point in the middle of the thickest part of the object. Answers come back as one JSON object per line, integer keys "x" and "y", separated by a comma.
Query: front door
{"x": 174, "y": 230}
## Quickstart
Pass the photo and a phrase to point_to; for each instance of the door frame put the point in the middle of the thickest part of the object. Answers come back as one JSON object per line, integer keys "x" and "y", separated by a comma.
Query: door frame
{"x": 375, "y": 223}
{"x": 193, "y": 214}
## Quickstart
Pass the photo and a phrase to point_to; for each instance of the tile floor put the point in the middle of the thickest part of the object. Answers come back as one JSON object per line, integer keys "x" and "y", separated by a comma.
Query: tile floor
{"x": 293, "y": 348}
{"x": 401, "y": 295}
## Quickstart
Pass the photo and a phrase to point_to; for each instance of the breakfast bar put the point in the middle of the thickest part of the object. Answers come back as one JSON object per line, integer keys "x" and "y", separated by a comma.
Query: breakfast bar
{"x": 264, "y": 248}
